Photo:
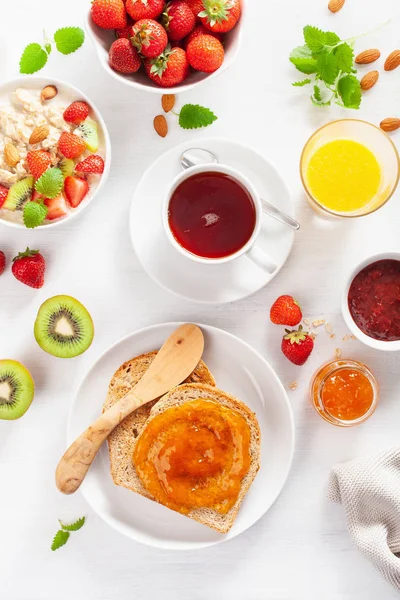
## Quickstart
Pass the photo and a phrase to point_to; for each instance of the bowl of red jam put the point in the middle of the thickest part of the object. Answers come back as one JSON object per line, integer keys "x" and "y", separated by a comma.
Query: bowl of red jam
{"x": 371, "y": 301}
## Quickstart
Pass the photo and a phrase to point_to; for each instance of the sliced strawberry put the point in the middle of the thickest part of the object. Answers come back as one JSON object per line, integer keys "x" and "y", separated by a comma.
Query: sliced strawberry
{"x": 91, "y": 164}
{"x": 71, "y": 145}
{"x": 75, "y": 190}
{"x": 57, "y": 207}
{"x": 76, "y": 112}
{"x": 38, "y": 162}
{"x": 3, "y": 194}
{"x": 36, "y": 195}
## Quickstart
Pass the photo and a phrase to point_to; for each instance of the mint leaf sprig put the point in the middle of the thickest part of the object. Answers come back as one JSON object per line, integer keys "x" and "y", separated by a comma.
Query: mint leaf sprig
{"x": 34, "y": 56}
{"x": 62, "y": 535}
{"x": 328, "y": 63}
{"x": 194, "y": 116}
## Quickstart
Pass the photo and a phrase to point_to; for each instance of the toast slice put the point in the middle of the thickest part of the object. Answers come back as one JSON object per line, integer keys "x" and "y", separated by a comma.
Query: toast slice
{"x": 186, "y": 393}
{"x": 120, "y": 442}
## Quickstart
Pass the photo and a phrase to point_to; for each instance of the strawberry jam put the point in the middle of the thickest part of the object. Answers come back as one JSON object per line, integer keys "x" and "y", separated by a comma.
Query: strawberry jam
{"x": 211, "y": 215}
{"x": 374, "y": 300}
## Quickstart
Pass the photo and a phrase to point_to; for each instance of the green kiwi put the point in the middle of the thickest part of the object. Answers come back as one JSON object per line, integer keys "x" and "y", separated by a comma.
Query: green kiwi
{"x": 88, "y": 132}
{"x": 16, "y": 389}
{"x": 19, "y": 194}
{"x": 63, "y": 327}
{"x": 66, "y": 166}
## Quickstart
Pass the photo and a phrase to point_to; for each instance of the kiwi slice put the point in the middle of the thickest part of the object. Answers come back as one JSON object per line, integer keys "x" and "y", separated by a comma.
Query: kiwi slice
{"x": 63, "y": 327}
{"x": 88, "y": 132}
{"x": 19, "y": 194}
{"x": 16, "y": 389}
{"x": 66, "y": 166}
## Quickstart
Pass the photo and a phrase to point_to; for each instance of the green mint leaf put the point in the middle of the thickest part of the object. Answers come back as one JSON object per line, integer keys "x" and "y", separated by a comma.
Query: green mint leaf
{"x": 327, "y": 66}
{"x": 74, "y": 526}
{"x": 34, "y": 214}
{"x": 317, "y": 93}
{"x": 193, "y": 116}
{"x": 47, "y": 47}
{"x": 314, "y": 38}
{"x": 302, "y": 58}
{"x": 350, "y": 91}
{"x": 344, "y": 57}
{"x": 331, "y": 38}
{"x": 33, "y": 58}
{"x": 50, "y": 183}
{"x": 301, "y": 83}
{"x": 59, "y": 539}
{"x": 69, "y": 39}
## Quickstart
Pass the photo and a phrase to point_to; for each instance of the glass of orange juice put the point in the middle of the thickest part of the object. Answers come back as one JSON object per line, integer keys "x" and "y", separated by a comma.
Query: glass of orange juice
{"x": 349, "y": 168}
{"x": 344, "y": 392}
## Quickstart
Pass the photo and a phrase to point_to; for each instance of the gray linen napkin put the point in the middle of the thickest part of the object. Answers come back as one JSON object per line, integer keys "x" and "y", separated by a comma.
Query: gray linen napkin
{"x": 369, "y": 490}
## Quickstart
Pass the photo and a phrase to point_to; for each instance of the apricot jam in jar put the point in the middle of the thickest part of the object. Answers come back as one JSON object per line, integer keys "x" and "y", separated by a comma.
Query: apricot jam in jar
{"x": 344, "y": 392}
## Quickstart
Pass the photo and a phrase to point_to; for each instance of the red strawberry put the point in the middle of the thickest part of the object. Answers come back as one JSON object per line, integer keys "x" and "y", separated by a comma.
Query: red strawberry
{"x": 286, "y": 311}
{"x": 168, "y": 69}
{"x": 109, "y": 14}
{"x": 3, "y": 194}
{"x": 92, "y": 164}
{"x": 144, "y": 9}
{"x": 201, "y": 30}
{"x": 38, "y": 162}
{"x": 56, "y": 207}
{"x": 297, "y": 345}
{"x": 76, "y": 112}
{"x": 123, "y": 57}
{"x": 75, "y": 190}
{"x": 2, "y": 262}
{"x": 205, "y": 53}
{"x": 71, "y": 145}
{"x": 178, "y": 20}
{"x": 220, "y": 15}
{"x": 125, "y": 32}
{"x": 149, "y": 37}
{"x": 196, "y": 6}
{"x": 29, "y": 267}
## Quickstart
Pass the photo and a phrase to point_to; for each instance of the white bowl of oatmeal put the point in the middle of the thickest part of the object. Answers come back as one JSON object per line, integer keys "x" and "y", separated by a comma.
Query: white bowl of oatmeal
{"x": 22, "y": 111}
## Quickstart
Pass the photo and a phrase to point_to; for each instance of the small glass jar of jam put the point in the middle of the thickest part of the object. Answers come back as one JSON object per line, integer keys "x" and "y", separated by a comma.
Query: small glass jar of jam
{"x": 344, "y": 392}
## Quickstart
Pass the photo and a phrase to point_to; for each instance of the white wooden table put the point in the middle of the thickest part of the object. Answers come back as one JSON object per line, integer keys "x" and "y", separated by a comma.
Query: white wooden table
{"x": 301, "y": 548}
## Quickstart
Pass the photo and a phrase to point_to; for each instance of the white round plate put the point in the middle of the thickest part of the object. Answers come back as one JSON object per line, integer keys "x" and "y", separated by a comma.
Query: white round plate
{"x": 239, "y": 370}
{"x": 211, "y": 284}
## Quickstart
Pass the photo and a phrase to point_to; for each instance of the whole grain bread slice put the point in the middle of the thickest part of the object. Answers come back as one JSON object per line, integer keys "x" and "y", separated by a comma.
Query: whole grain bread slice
{"x": 186, "y": 393}
{"x": 120, "y": 442}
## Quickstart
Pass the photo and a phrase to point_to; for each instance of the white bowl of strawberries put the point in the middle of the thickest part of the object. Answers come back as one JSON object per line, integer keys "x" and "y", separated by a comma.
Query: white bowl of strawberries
{"x": 158, "y": 44}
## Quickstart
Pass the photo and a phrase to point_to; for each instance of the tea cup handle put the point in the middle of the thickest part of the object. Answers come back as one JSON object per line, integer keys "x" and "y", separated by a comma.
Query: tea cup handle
{"x": 261, "y": 259}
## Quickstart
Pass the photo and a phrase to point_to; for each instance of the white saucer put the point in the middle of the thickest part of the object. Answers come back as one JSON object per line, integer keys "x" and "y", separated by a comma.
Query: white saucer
{"x": 211, "y": 284}
{"x": 239, "y": 370}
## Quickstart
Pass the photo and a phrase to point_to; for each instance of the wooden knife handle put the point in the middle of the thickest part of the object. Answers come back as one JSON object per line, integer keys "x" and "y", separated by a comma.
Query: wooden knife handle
{"x": 74, "y": 464}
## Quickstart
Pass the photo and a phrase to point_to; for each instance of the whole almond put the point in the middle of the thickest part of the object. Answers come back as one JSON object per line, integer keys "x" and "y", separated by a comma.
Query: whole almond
{"x": 39, "y": 134}
{"x": 369, "y": 80}
{"x": 168, "y": 102}
{"x": 160, "y": 125}
{"x": 367, "y": 56}
{"x": 390, "y": 124}
{"x": 11, "y": 155}
{"x": 392, "y": 61}
{"x": 336, "y": 5}
{"x": 48, "y": 92}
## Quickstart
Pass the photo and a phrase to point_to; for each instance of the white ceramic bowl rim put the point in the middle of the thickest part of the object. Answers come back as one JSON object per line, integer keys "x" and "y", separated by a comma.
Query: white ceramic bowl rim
{"x": 366, "y": 339}
{"x": 60, "y": 84}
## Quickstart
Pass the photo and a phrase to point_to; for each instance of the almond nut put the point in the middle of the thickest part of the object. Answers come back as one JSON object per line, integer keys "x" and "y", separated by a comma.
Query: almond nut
{"x": 367, "y": 56}
{"x": 390, "y": 124}
{"x": 392, "y": 61}
{"x": 11, "y": 155}
{"x": 48, "y": 92}
{"x": 160, "y": 125}
{"x": 39, "y": 134}
{"x": 168, "y": 102}
{"x": 369, "y": 80}
{"x": 336, "y": 5}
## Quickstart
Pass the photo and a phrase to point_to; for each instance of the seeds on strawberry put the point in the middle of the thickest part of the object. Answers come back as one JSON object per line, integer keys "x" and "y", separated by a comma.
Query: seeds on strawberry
{"x": 108, "y": 14}
{"x": 2, "y": 262}
{"x": 92, "y": 164}
{"x": 168, "y": 69}
{"x": 123, "y": 57}
{"x": 38, "y": 162}
{"x": 220, "y": 15}
{"x": 367, "y": 56}
{"x": 160, "y": 125}
{"x": 196, "y": 6}
{"x": 125, "y": 32}
{"x": 297, "y": 346}
{"x": 201, "y": 30}
{"x": 286, "y": 311}
{"x": 70, "y": 145}
{"x": 205, "y": 53}
{"x": 168, "y": 102}
{"x": 29, "y": 267}
{"x": 149, "y": 37}
{"x": 76, "y": 112}
{"x": 144, "y": 9}
{"x": 178, "y": 20}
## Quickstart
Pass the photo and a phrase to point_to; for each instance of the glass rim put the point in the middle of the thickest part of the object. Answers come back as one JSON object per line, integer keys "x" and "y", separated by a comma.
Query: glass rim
{"x": 340, "y": 214}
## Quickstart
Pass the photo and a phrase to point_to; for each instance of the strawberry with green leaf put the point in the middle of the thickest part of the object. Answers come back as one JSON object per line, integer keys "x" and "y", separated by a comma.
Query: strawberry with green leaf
{"x": 149, "y": 38}
{"x": 169, "y": 68}
{"x": 220, "y": 15}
